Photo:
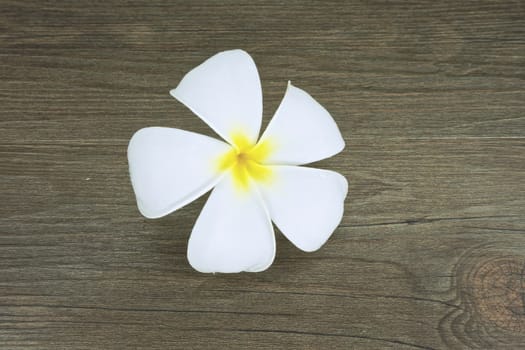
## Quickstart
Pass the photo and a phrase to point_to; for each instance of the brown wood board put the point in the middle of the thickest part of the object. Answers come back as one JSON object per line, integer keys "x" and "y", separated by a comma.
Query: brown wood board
{"x": 429, "y": 97}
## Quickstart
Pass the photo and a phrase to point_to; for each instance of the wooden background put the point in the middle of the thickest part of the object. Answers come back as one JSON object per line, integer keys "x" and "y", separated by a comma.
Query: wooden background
{"x": 429, "y": 96}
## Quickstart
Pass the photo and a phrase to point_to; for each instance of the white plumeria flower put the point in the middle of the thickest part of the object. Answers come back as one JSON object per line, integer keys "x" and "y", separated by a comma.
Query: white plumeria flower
{"x": 255, "y": 181}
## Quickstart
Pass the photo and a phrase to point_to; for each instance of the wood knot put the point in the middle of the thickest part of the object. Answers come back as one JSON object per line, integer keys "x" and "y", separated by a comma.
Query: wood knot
{"x": 497, "y": 291}
{"x": 490, "y": 292}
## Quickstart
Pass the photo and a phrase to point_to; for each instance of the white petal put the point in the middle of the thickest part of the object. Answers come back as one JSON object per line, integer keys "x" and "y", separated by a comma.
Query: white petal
{"x": 233, "y": 232}
{"x": 170, "y": 168}
{"x": 306, "y": 204}
{"x": 225, "y": 92}
{"x": 301, "y": 131}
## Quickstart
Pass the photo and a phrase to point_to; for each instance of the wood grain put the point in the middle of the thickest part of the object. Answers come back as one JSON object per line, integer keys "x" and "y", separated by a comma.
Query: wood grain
{"x": 429, "y": 96}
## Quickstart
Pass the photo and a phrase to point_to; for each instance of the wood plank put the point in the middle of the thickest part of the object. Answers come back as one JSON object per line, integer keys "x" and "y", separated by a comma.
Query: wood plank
{"x": 430, "y": 98}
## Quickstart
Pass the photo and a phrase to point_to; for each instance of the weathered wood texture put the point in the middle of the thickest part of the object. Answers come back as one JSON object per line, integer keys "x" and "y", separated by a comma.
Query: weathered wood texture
{"x": 430, "y": 98}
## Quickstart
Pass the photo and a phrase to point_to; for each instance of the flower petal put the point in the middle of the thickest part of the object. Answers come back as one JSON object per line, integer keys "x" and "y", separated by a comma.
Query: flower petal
{"x": 306, "y": 204}
{"x": 233, "y": 232}
{"x": 170, "y": 168}
{"x": 225, "y": 92}
{"x": 301, "y": 131}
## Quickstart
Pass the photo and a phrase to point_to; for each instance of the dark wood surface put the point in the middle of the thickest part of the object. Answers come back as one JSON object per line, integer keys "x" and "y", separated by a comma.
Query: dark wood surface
{"x": 429, "y": 96}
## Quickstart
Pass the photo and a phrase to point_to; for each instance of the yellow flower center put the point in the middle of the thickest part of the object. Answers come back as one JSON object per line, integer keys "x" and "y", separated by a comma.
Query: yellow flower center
{"x": 245, "y": 161}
